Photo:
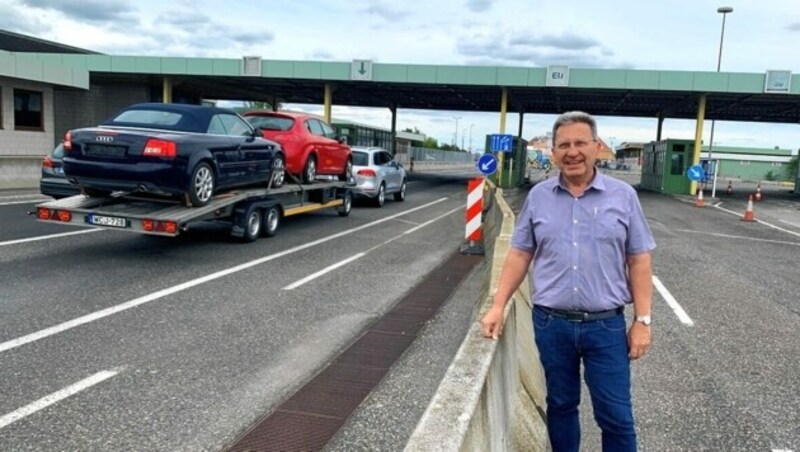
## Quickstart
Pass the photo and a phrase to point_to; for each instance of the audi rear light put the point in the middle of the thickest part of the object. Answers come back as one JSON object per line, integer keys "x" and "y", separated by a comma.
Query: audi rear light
{"x": 160, "y": 148}
{"x": 366, "y": 172}
{"x": 47, "y": 162}
{"x": 68, "y": 141}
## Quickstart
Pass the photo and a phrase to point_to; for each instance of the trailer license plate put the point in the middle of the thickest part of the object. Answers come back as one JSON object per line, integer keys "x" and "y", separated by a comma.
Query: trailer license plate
{"x": 100, "y": 220}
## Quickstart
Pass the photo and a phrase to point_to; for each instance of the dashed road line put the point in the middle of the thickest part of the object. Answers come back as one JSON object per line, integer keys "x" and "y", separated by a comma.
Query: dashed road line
{"x": 56, "y": 397}
{"x": 682, "y": 316}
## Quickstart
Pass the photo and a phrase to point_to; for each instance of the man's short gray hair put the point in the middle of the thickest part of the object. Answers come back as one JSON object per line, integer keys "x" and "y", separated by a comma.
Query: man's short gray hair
{"x": 575, "y": 117}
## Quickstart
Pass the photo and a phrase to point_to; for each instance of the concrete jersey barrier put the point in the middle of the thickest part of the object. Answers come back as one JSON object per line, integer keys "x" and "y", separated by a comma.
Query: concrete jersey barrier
{"x": 492, "y": 397}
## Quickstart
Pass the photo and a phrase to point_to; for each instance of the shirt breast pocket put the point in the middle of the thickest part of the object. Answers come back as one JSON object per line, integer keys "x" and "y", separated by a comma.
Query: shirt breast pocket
{"x": 608, "y": 228}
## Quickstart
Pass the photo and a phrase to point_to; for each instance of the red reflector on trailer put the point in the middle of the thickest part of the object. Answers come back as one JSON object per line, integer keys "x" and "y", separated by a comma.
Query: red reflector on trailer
{"x": 148, "y": 225}
{"x": 171, "y": 227}
{"x": 65, "y": 216}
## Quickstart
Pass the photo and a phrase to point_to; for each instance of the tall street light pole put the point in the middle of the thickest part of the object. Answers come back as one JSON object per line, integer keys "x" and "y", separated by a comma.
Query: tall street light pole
{"x": 455, "y": 137}
{"x": 470, "y": 137}
{"x": 724, "y": 10}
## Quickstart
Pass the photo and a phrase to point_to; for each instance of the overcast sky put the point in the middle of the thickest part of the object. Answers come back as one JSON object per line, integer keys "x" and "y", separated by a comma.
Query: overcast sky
{"x": 635, "y": 34}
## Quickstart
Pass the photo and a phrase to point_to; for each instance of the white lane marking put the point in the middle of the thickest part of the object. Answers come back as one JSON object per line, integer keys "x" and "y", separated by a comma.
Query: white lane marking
{"x": 56, "y": 397}
{"x": 325, "y": 270}
{"x": 333, "y": 267}
{"x": 782, "y": 450}
{"x": 32, "y": 195}
{"x": 32, "y": 201}
{"x": 761, "y": 222}
{"x": 682, "y": 316}
{"x": 48, "y": 237}
{"x": 61, "y": 327}
{"x": 414, "y": 229}
{"x": 728, "y": 236}
{"x": 789, "y": 222}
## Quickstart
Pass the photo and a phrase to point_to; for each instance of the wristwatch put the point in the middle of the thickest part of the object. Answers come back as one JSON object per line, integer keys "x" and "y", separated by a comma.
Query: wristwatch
{"x": 644, "y": 319}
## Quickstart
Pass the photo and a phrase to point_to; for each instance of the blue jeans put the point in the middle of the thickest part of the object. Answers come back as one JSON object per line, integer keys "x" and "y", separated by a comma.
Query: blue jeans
{"x": 603, "y": 346}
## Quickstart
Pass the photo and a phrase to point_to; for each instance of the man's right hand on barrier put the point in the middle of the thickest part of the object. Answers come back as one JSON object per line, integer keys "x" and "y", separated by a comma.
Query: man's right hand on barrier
{"x": 492, "y": 322}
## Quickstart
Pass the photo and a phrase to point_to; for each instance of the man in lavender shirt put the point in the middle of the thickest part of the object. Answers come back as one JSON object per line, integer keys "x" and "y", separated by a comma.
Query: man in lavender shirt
{"x": 590, "y": 246}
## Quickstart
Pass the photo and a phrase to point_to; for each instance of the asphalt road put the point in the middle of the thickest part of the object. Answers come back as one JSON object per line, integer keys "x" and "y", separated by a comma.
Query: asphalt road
{"x": 181, "y": 344}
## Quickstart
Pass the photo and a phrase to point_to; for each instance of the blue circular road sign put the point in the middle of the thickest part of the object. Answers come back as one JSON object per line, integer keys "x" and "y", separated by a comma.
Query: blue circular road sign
{"x": 487, "y": 164}
{"x": 695, "y": 173}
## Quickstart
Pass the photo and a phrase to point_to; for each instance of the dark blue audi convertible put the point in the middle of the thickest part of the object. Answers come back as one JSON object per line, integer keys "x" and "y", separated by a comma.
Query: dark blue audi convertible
{"x": 188, "y": 151}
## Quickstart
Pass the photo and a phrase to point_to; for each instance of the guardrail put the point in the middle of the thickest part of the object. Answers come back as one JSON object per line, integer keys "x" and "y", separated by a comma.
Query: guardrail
{"x": 492, "y": 397}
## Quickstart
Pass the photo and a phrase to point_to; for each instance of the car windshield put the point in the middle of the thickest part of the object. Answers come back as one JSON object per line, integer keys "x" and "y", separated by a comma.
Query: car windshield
{"x": 280, "y": 123}
{"x": 360, "y": 158}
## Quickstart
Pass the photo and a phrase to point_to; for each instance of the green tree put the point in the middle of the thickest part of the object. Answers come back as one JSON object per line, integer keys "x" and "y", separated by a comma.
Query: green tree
{"x": 259, "y": 105}
{"x": 791, "y": 168}
{"x": 430, "y": 143}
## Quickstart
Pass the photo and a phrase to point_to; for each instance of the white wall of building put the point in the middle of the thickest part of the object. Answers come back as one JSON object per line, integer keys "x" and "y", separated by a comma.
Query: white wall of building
{"x": 21, "y": 151}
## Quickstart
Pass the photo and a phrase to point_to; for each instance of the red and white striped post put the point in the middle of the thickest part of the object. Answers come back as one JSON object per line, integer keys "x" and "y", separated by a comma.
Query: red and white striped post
{"x": 474, "y": 213}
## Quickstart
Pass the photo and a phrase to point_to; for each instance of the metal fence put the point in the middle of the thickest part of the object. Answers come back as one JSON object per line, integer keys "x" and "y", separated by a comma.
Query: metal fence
{"x": 404, "y": 156}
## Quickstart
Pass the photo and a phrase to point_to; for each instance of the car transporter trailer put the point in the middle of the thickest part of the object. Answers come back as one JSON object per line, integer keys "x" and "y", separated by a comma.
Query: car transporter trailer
{"x": 251, "y": 212}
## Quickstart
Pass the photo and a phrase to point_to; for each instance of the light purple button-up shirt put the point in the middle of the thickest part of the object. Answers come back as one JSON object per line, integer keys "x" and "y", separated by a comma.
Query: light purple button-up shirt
{"x": 580, "y": 243}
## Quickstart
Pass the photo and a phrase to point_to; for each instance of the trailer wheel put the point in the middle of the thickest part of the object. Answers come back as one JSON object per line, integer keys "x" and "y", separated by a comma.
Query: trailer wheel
{"x": 272, "y": 219}
{"x": 252, "y": 225}
{"x": 347, "y": 204}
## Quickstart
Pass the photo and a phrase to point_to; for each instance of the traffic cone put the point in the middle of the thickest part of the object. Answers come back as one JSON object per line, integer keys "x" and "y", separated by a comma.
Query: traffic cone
{"x": 699, "y": 201}
{"x": 758, "y": 192}
{"x": 729, "y": 190}
{"x": 748, "y": 213}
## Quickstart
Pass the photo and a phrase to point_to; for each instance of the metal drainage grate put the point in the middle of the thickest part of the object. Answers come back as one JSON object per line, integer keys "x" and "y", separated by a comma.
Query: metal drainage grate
{"x": 311, "y": 417}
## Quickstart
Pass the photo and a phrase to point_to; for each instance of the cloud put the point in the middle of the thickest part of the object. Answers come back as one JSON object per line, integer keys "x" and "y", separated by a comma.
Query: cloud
{"x": 793, "y": 27}
{"x": 479, "y": 6}
{"x": 108, "y": 13}
{"x": 12, "y": 20}
{"x": 198, "y": 34}
{"x": 322, "y": 55}
{"x": 386, "y": 12}
{"x": 184, "y": 20}
{"x": 566, "y": 41}
{"x": 521, "y": 48}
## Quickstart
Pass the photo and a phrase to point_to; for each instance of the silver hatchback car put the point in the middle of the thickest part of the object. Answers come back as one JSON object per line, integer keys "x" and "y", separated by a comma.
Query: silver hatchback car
{"x": 376, "y": 175}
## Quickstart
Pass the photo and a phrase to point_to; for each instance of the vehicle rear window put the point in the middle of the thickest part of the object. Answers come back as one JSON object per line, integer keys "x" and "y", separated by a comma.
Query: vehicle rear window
{"x": 149, "y": 117}
{"x": 360, "y": 158}
{"x": 271, "y": 122}
{"x": 58, "y": 152}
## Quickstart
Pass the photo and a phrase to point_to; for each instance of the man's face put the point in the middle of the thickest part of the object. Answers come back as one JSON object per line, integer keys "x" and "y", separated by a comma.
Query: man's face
{"x": 575, "y": 151}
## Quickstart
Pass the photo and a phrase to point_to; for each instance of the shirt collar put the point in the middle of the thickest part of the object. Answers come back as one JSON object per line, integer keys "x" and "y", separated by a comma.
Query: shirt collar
{"x": 598, "y": 182}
